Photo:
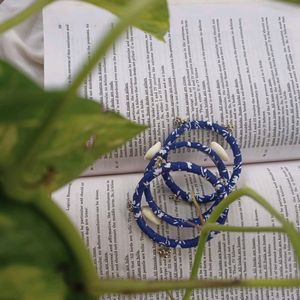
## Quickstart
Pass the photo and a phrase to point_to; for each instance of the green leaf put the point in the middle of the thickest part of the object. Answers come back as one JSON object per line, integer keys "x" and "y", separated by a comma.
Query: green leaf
{"x": 47, "y": 142}
{"x": 25, "y": 282}
{"x": 23, "y": 237}
{"x": 154, "y": 21}
{"x": 35, "y": 261}
{"x": 12, "y": 80}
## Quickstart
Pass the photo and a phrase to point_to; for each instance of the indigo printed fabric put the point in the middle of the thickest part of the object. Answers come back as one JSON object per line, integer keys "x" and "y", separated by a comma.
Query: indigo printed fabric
{"x": 160, "y": 166}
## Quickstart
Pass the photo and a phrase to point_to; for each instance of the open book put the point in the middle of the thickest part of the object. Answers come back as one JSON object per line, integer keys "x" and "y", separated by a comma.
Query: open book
{"x": 233, "y": 64}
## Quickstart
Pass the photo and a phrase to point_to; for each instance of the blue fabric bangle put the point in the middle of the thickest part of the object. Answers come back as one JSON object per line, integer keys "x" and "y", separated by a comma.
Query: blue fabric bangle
{"x": 170, "y": 144}
{"x": 169, "y": 180}
{"x": 143, "y": 188}
{"x": 160, "y": 166}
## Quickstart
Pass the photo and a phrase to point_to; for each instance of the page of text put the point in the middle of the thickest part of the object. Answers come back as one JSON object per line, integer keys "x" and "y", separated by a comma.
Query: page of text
{"x": 98, "y": 208}
{"x": 233, "y": 64}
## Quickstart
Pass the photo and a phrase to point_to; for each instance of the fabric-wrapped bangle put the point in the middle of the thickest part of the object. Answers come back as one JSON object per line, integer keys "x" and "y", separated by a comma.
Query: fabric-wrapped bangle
{"x": 170, "y": 144}
{"x": 163, "y": 153}
{"x": 223, "y": 184}
{"x": 144, "y": 188}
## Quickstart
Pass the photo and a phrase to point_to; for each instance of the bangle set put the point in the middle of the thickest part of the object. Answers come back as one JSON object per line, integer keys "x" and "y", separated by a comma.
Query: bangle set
{"x": 159, "y": 165}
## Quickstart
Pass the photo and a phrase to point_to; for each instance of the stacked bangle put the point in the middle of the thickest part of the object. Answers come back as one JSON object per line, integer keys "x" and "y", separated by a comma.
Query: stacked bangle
{"x": 159, "y": 165}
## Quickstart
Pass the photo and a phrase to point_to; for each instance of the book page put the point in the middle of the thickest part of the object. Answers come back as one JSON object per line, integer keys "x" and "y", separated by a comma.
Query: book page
{"x": 98, "y": 208}
{"x": 234, "y": 64}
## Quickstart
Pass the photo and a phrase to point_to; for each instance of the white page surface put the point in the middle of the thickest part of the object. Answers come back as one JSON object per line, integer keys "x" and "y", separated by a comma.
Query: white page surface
{"x": 227, "y": 63}
{"x": 98, "y": 208}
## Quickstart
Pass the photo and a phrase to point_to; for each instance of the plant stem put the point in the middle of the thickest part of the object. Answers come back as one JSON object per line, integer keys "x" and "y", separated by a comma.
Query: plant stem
{"x": 197, "y": 260}
{"x": 70, "y": 236}
{"x": 245, "y": 192}
{"x": 198, "y": 209}
{"x": 287, "y": 227}
{"x": 24, "y": 14}
{"x": 216, "y": 227}
{"x": 127, "y": 286}
{"x": 135, "y": 7}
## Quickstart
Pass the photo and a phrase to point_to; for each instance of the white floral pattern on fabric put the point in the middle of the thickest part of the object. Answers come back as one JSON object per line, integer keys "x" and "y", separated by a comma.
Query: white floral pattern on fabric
{"x": 222, "y": 184}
